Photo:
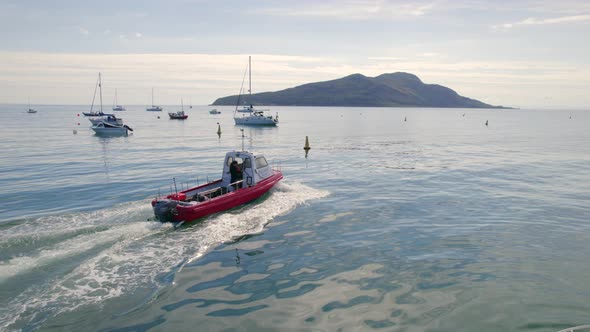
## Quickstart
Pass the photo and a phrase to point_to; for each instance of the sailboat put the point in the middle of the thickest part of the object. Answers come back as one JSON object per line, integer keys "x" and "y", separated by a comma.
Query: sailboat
{"x": 253, "y": 117}
{"x": 91, "y": 112}
{"x": 104, "y": 126}
{"x": 29, "y": 109}
{"x": 117, "y": 107}
{"x": 180, "y": 115}
{"x": 154, "y": 108}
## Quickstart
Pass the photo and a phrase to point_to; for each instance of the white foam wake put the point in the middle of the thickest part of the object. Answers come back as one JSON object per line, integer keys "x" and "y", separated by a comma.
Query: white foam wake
{"x": 132, "y": 253}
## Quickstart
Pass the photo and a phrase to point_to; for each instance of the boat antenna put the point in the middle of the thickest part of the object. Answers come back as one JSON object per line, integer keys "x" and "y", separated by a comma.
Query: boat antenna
{"x": 242, "y": 130}
{"x": 100, "y": 89}
{"x": 250, "y": 77}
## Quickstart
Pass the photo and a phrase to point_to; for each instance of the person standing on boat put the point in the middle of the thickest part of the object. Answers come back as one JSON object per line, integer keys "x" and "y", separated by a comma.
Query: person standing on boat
{"x": 236, "y": 173}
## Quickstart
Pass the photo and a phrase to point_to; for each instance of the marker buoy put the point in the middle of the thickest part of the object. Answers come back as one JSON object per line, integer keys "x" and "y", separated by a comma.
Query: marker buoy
{"x": 306, "y": 147}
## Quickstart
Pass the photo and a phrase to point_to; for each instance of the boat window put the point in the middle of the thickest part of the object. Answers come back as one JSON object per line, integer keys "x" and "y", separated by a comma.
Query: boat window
{"x": 247, "y": 163}
{"x": 231, "y": 159}
{"x": 261, "y": 162}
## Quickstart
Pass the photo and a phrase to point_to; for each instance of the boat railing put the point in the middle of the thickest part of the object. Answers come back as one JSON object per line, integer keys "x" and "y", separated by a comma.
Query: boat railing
{"x": 176, "y": 187}
{"x": 235, "y": 185}
{"x": 277, "y": 166}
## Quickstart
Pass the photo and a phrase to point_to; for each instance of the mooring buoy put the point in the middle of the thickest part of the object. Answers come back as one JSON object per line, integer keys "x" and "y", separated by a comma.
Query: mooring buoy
{"x": 306, "y": 147}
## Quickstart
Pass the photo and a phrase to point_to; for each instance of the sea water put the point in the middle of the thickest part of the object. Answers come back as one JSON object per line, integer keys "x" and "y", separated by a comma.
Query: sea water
{"x": 399, "y": 219}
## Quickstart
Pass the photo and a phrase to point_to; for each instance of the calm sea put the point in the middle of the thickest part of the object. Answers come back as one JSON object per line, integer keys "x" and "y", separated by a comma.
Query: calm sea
{"x": 399, "y": 219}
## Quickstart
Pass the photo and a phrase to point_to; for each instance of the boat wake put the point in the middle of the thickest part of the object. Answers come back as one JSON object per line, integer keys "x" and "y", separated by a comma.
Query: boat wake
{"x": 52, "y": 265}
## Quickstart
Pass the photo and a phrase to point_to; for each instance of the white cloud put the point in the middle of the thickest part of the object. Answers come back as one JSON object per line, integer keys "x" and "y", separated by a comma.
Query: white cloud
{"x": 535, "y": 21}
{"x": 138, "y": 35}
{"x": 352, "y": 9}
{"x": 429, "y": 54}
{"x": 83, "y": 31}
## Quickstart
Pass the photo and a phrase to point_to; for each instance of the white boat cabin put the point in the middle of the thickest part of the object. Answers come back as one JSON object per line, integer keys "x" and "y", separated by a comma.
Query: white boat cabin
{"x": 255, "y": 168}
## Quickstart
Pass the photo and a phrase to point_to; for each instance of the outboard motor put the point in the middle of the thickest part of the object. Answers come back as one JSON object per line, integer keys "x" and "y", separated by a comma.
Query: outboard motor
{"x": 165, "y": 209}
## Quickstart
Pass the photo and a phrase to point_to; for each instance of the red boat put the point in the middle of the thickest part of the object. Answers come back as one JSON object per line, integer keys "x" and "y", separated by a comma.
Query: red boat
{"x": 178, "y": 115}
{"x": 257, "y": 178}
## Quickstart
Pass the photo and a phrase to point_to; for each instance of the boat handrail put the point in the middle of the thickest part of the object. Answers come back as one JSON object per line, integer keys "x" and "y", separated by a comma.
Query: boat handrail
{"x": 235, "y": 183}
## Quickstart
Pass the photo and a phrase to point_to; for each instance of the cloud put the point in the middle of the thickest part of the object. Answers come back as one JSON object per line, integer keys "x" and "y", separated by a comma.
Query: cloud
{"x": 355, "y": 10}
{"x": 535, "y": 21}
{"x": 138, "y": 35}
{"x": 83, "y": 31}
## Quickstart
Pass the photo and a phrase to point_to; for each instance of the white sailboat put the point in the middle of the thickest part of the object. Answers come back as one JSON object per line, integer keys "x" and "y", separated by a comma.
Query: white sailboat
{"x": 251, "y": 116}
{"x": 104, "y": 126}
{"x": 154, "y": 108}
{"x": 117, "y": 107}
{"x": 29, "y": 109}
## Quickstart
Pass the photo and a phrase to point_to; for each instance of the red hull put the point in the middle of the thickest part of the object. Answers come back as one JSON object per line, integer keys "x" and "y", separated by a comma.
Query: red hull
{"x": 226, "y": 201}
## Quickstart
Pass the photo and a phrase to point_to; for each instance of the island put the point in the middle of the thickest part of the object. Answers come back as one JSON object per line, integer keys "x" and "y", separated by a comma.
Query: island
{"x": 386, "y": 90}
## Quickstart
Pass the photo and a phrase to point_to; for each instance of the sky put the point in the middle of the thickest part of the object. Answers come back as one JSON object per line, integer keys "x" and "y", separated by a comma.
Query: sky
{"x": 528, "y": 53}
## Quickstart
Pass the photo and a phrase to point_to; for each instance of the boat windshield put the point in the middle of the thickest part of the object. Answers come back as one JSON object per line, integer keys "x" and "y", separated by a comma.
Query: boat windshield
{"x": 261, "y": 162}
{"x": 231, "y": 159}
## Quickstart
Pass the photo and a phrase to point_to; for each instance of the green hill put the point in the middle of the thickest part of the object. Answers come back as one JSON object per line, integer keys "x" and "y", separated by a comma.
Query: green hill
{"x": 386, "y": 90}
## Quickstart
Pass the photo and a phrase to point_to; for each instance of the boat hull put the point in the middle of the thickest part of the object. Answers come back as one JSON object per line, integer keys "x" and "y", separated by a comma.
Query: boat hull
{"x": 189, "y": 213}
{"x": 110, "y": 131}
{"x": 255, "y": 121}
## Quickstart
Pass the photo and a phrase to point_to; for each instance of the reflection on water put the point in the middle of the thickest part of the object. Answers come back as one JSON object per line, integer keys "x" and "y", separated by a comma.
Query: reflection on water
{"x": 431, "y": 224}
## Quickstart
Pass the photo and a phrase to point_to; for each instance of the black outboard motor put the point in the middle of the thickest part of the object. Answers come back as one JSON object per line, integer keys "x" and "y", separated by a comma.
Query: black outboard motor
{"x": 165, "y": 209}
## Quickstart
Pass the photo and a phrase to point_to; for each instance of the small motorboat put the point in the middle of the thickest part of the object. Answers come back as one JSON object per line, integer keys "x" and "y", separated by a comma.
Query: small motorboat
{"x": 31, "y": 111}
{"x": 108, "y": 118}
{"x": 180, "y": 115}
{"x": 154, "y": 108}
{"x": 214, "y": 111}
{"x": 105, "y": 128}
{"x": 257, "y": 178}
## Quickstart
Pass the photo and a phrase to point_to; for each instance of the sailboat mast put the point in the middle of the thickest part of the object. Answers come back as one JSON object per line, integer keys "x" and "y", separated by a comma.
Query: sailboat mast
{"x": 250, "y": 77}
{"x": 100, "y": 88}
{"x": 152, "y": 97}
